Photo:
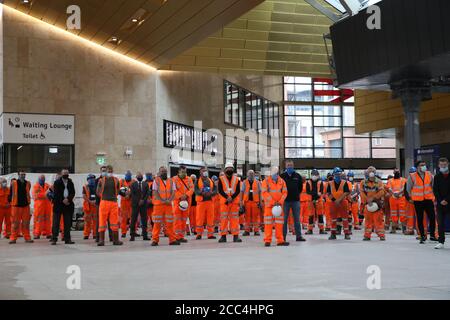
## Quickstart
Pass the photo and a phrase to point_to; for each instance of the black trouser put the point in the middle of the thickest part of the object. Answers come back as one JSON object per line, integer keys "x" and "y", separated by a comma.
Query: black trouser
{"x": 137, "y": 210}
{"x": 428, "y": 207}
{"x": 67, "y": 213}
{"x": 442, "y": 212}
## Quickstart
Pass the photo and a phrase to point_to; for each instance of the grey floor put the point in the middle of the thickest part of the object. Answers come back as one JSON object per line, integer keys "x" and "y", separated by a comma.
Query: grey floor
{"x": 316, "y": 269}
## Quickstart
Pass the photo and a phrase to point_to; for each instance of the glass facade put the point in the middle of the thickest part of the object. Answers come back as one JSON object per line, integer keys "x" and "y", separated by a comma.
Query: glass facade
{"x": 248, "y": 110}
{"x": 319, "y": 122}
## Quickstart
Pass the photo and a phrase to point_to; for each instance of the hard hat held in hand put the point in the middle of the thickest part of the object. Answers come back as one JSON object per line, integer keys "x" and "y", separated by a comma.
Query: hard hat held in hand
{"x": 372, "y": 207}
{"x": 276, "y": 211}
{"x": 123, "y": 191}
{"x": 183, "y": 205}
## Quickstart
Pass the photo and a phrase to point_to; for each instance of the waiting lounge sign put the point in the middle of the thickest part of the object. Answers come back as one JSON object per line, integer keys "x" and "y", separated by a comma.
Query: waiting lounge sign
{"x": 30, "y": 128}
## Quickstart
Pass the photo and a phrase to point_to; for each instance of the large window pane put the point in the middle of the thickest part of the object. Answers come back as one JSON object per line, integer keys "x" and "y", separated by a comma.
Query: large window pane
{"x": 297, "y": 110}
{"x": 297, "y": 92}
{"x": 299, "y": 126}
{"x": 299, "y": 153}
{"x": 327, "y": 137}
{"x": 326, "y": 93}
{"x": 349, "y": 116}
{"x": 327, "y": 121}
{"x": 328, "y": 153}
{"x": 383, "y": 143}
{"x": 327, "y": 110}
{"x": 248, "y": 110}
{"x": 384, "y": 153}
{"x": 389, "y": 133}
{"x": 304, "y": 80}
{"x": 299, "y": 142}
{"x": 356, "y": 148}
{"x": 276, "y": 119}
{"x": 350, "y": 133}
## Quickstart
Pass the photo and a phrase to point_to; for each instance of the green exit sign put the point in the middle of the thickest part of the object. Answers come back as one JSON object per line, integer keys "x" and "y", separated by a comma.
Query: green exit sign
{"x": 101, "y": 160}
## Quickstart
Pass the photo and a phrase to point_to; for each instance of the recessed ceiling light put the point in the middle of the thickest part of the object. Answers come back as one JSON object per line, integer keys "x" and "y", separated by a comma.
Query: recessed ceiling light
{"x": 134, "y": 20}
{"x": 114, "y": 40}
{"x": 26, "y": 1}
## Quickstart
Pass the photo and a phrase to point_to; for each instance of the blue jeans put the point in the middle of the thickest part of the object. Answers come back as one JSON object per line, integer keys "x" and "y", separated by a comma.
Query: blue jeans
{"x": 295, "y": 206}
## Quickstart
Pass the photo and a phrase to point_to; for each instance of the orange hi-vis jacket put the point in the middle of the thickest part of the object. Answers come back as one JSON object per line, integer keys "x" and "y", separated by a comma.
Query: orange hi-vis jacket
{"x": 165, "y": 190}
{"x": 255, "y": 189}
{"x": 14, "y": 197}
{"x": 371, "y": 189}
{"x": 4, "y": 194}
{"x": 422, "y": 189}
{"x": 124, "y": 183}
{"x": 321, "y": 188}
{"x": 116, "y": 189}
{"x": 39, "y": 192}
{"x": 229, "y": 189}
{"x": 183, "y": 187}
{"x": 304, "y": 197}
{"x": 337, "y": 193}
{"x": 396, "y": 185}
{"x": 273, "y": 191}
{"x": 201, "y": 185}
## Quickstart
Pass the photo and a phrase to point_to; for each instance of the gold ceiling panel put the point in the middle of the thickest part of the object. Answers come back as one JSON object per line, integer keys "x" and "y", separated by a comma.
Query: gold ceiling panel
{"x": 164, "y": 28}
{"x": 277, "y": 37}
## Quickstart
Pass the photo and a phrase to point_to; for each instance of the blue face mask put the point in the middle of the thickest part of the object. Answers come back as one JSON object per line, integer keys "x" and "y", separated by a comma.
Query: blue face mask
{"x": 128, "y": 177}
{"x": 91, "y": 182}
{"x": 149, "y": 177}
{"x": 290, "y": 171}
{"x": 275, "y": 177}
{"x": 337, "y": 179}
{"x": 443, "y": 170}
{"x": 41, "y": 182}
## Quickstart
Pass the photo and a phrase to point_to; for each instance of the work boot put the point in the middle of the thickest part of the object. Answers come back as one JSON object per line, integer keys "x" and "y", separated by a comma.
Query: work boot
{"x": 323, "y": 232}
{"x": 69, "y": 242}
{"x": 366, "y": 239}
{"x": 223, "y": 239}
{"x": 174, "y": 243}
{"x": 124, "y": 235}
{"x": 241, "y": 227}
{"x": 132, "y": 238}
{"x": 327, "y": 229}
{"x": 332, "y": 237}
{"x": 53, "y": 242}
{"x": 212, "y": 237}
{"x": 29, "y": 241}
{"x": 267, "y": 244}
{"x": 146, "y": 238}
{"x": 347, "y": 237}
{"x": 48, "y": 237}
{"x": 283, "y": 244}
{"x": 422, "y": 240}
{"x": 183, "y": 240}
{"x": 382, "y": 238}
{"x": 116, "y": 240}
{"x": 97, "y": 237}
{"x": 432, "y": 238}
{"x": 309, "y": 232}
{"x": 257, "y": 233}
{"x": 236, "y": 239}
{"x": 216, "y": 229}
{"x": 86, "y": 238}
{"x": 154, "y": 244}
{"x": 300, "y": 239}
{"x": 13, "y": 242}
{"x": 393, "y": 230}
{"x": 101, "y": 239}
{"x": 246, "y": 234}
{"x": 199, "y": 237}
{"x": 37, "y": 237}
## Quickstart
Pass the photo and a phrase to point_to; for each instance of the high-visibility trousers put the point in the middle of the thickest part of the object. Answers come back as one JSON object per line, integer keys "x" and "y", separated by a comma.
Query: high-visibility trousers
{"x": 252, "y": 212}
{"x": 20, "y": 222}
{"x": 90, "y": 220}
{"x": 373, "y": 221}
{"x": 397, "y": 207}
{"x": 326, "y": 209}
{"x": 269, "y": 221}
{"x": 316, "y": 211}
{"x": 205, "y": 212}
{"x": 125, "y": 215}
{"x": 149, "y": 220}
{"x": 108, "y": 211}
{"x": 193, "y": 217}
{"x": 163, "y": 213}
{"x": 387, "y": 213}
{"x": 304, "y": 212}
{"x": 5, "y": 218}
{"x": 42, "y": 218}
{"x": 410, "y": 214}
{"x": 339, "y": 212}
{"x": 180, "y": 220}
{"x": 229, "y": 219}
{"x": 216, "y": 213}
{"x": 354, "y": 210}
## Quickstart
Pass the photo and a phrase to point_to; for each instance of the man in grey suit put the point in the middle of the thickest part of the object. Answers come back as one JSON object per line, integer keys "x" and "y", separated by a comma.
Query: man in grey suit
{"x": 140, "y": 192}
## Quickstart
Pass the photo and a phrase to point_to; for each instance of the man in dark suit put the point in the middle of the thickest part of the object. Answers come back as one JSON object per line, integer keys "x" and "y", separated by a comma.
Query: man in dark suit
{"x": 64, "y": 192}
{"x": 139, "y": 195}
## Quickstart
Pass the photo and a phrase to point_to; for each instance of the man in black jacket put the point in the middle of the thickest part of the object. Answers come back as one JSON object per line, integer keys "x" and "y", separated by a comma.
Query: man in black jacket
{"x": 64, "y": 192}
{"x": 294, "y": 184}
{"x": 140, "y": 192}
{"x": 441, "y": 190}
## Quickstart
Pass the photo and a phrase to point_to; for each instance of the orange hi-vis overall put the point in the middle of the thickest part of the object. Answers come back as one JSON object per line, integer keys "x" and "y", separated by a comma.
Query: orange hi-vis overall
{"x": 149, "y": 211}
{"x": 327, "y": 206}
{"x": 305, "y": 206}
{"x": 42, "y": 210}
{"x": 163, "y": 212}
{"x": 316, "y": 209}
{"x": 183, "y": 187}
{"x": 338, "y": 210}
{"x": 372, "y": 220}
{"x": 229, "y": 212}
{"x": 216, "y": 200}
{"x": 273, "y": 192}
{"x": 205, "y": 210}
{"x": 252, "y": 210}
{"x": 20, "y": 216}
{"x": 387, "y": 206}
{"x": 125, "y": 207}
{"x": 5, "y": 212}
{"x": 90, "y": 212}
{"x": 397, "y": 205}
{"x": 353, "y": 200}
{"x": 108, "y": 210}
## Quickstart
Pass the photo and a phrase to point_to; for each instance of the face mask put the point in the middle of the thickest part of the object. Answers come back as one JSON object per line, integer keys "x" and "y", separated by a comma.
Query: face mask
{"x": 164, "y": 176}
{"x": 423, "y": 168}
{"x": 104, "y": 174}
{"x": 128, "y": 177}
{"x": 139, "y": 178}
{"x": 257, "y": 178}
{"x": 109, "y": 174}
{"x": 182, "y": 175}
{"x": 41, "y": 182}
{"x": 443, "y": 170}
{"x": 351, "y": 179}
{"x": 91, "y": 182}
{"x": 330, "y": 179}
{"x": 149, "y": 177}
{"x": 205, "y": 174}
{"x": 372, "y": 175}
{"x": 22, "y": 178}
{"x": 229, "y": 173}
{"x": 65, "y": 176}
{"x": 314, "y": 178}
{"x": 337, "y": 179}
{"x": 396, "y": 175}
{"x": 250, "y": 178}
{"x": 290, "y": 171}
{"x": 274, "y": 177}
{"x": 4, "y": 184}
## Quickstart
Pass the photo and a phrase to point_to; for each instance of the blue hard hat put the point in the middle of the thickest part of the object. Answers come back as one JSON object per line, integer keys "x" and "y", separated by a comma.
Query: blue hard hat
{"x": 90, "y": 176}
{"x": 412, "y": 170}
{"x": 350, "y": 174}
{"x": 315, "y": 172}
{"x": 337, "y": 170}
{"x": 214, "y": 178}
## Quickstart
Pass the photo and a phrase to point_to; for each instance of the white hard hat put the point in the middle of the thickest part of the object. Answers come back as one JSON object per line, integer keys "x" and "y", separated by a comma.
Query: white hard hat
{"x": 183, "y": 205}
{"x": 229, "y": 165}
{"x": 276, "y": 211}
{"x": 373, "y": 207}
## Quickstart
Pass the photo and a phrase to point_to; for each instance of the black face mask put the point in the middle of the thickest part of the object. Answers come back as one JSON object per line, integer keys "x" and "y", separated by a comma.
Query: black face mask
{"x": 140, "y": 179}
{"x": 396, "y": 175}
{"x": 65, "y": 177}
{"x": 164, "y": 176}
{"x": 330, "y": 179}
{"x": 229, "y": 173}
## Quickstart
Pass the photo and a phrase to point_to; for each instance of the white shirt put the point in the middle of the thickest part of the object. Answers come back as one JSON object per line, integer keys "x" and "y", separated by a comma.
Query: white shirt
{"x": 66, "y": 191}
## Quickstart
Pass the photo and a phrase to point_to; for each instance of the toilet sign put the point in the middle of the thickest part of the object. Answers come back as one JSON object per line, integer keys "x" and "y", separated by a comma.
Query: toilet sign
{"x": 30, "y": 128}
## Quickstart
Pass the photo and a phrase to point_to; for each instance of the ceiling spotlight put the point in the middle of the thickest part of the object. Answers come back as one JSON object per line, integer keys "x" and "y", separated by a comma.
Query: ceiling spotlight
{"x": 135, "y": 20}
{"x": 26, "y": 2}
{"x": 114, "y": 40}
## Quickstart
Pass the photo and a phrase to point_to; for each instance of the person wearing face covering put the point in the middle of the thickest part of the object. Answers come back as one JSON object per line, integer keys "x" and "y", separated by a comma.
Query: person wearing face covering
{"x": 64, "y": 193}
{"x": 251, "y": 201}
{"x": 125, "y": 203}
{"x": 5, "y": 209}
{"x": 338, "y": 191}
{"x": 441, "y": 189}
{"x": 354, "y": 200}
{"x": 193, "y": 208}
{"x": 149, "y": 182}
{"x": 42, "y": 209}
{"x": 315, "y": 189}
{"x": 420, "y": 189}
{"x": 327, "y": 203}
{"x": 372, "y": 190}
{"x": 139, "y": 193}
{"x": 20, "y": 211}
{"x": 184, "y": 188}
{"x": 89, "y": 208}
{"x": 229, "y": 191}
{"x": 397, "y": 202}
{"x": 205, "y": 190}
